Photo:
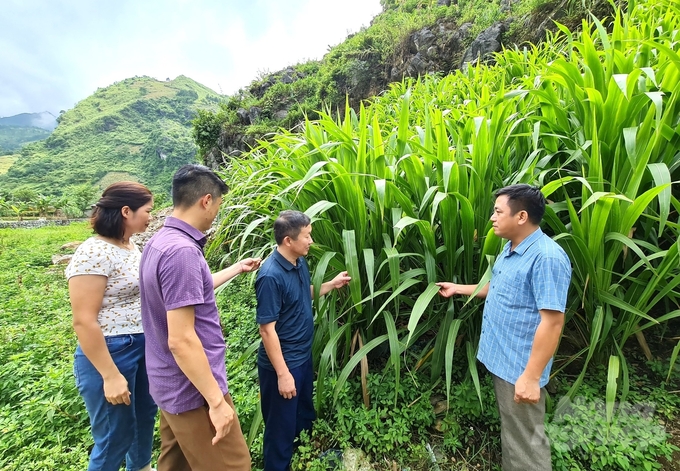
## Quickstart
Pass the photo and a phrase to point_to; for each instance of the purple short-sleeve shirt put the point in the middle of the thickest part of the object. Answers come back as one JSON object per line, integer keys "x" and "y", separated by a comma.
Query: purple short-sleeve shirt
{"x": 174, "y": 274}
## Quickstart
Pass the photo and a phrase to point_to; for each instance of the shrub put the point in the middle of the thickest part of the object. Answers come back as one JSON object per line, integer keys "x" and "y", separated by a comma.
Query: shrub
{"x": 582, "y": 438}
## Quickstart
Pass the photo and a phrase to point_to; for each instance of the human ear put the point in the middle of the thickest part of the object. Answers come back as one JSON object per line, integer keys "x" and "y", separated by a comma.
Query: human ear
{"x": 125, "y": 211}
{"x": 523, "y": 217}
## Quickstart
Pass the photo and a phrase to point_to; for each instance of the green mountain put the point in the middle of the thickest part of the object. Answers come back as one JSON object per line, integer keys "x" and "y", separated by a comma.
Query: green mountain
{"x": 13, "y": 137}
{"x": 20, "y": 129}
{"x": 138, "y": 128}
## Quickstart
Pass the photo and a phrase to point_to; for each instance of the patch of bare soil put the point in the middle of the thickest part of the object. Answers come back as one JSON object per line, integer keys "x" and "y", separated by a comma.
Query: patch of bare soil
{"x": 673, "y": 427}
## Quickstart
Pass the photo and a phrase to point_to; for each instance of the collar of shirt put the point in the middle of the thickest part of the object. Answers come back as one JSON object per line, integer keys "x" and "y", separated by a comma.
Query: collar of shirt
{"x": 284, "y": 262}
{"x": 187, "y": 228}
{"x": 524, "y": 245}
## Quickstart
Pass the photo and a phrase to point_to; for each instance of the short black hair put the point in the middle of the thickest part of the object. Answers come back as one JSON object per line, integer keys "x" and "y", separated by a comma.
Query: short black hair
{"x": 523, "y": 197}
{"x": 192, "y": 182}
{"x": 106, "y": 219}
{"x": 289, "y": 224}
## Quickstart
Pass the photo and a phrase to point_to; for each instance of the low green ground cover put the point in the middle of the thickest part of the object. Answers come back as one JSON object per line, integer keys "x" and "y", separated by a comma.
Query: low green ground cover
{"x": 43, "y": 424}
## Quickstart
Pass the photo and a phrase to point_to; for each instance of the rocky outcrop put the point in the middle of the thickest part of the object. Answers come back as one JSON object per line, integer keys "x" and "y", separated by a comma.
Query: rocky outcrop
{"x": 154, "y": 225}
{"x": 436, "y": 48}
{"x": 232, "y": 142}
{"x": 485, "y": 45}
{"x": 287, "y": 75}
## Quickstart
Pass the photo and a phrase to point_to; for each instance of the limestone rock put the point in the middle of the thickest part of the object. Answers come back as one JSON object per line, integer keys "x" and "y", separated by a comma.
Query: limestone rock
{"x": 437, "y": 48}
{"x": 280, "y": 115}
{"x": 61, "y": 259}
{"x": 71, "y": 246}
{"x": 243, "y": 117}
{"x": 484, "y": 45}
{"x": 254, "y": 114}
{"x": 355, "y": 460}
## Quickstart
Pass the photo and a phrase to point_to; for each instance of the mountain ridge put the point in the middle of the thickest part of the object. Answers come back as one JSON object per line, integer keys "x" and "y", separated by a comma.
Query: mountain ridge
{"x": 43, "y": 120}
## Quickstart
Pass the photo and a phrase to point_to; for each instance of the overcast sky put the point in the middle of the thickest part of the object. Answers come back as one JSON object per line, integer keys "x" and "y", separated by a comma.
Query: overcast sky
{"x": 54, "y": 53}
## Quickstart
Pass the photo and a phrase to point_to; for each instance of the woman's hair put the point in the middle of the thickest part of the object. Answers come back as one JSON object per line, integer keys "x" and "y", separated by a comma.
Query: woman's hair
{"x": 107, "y": 219}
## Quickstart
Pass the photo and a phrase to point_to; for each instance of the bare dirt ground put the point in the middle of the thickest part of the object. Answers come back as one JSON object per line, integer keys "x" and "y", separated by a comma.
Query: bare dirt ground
{"x": 674, "y": 429}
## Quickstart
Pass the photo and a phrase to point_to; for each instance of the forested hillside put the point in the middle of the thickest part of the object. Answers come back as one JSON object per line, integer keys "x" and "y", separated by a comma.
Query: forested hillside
{"x": 139, "y": 128}
{"x": 13, "y": 137}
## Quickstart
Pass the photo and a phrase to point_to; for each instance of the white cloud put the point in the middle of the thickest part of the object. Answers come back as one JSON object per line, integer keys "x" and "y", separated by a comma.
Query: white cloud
{"x": 53, "y": 54}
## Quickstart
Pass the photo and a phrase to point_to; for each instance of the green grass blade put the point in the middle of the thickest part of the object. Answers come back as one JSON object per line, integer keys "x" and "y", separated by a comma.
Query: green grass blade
{"x": 352, "y": 266}
{"x": 612, "y": 377}
{"x": 419, "y": 307}
{"x": 451, "y": 337}
{"x": 674, "y": 357}
{"x": 472, "y": 369}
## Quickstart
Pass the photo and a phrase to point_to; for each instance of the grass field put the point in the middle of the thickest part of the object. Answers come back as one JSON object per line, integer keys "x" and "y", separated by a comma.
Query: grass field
{"x": 6, "y": 162}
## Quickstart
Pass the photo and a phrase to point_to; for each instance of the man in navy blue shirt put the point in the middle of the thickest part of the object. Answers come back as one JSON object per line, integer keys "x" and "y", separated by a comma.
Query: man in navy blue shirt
{"x": 522, "y": 323}
{"x": 284, "y": 361}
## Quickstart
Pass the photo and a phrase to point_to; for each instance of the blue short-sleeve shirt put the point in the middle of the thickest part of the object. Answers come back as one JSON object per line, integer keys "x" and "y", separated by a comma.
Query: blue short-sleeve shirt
{"x": 284, "y": 296}
{"x": 534, "y": 276}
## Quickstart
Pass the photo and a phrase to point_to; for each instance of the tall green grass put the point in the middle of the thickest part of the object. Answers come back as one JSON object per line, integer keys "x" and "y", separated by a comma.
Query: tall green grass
{"x": 400, "y": 193}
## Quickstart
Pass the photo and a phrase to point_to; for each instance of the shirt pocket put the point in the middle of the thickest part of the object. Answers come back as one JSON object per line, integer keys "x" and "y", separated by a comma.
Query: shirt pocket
{"x": 512, "y": 288}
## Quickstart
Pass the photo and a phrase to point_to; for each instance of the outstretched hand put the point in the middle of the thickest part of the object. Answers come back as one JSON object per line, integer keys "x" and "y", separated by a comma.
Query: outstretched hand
{"x": 249, "y": 264}
{"x": 447, "y": 289}
{"x": 342, "y": 279}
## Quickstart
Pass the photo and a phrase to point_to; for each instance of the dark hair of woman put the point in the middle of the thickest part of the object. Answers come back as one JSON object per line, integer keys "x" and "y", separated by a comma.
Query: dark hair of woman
{"x": 107, "y": 219}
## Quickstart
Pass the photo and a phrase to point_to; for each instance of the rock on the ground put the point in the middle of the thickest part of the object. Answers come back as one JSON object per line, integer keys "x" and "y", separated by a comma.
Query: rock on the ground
{"x": 71, "y": 245}
{"x": 355, "y": 460}
{"x": 61, "y": 259}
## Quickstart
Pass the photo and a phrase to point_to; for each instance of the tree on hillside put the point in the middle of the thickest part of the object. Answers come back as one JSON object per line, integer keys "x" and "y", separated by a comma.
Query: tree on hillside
{"x": 77, "y": 199}
{"x": 24, "y": 195}
{"x": 44, "y": 205}
{"x": 4, "y": 206}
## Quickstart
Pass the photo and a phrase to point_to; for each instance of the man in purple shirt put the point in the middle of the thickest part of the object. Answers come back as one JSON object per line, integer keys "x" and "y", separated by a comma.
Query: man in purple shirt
{"x": 184, "y": 342}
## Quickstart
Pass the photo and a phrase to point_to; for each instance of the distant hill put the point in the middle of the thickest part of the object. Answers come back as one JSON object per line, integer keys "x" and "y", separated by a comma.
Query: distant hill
{"x": 13, "y": 137}
{"x": 44, "y": 120}
{"x": 138, "y": 128}
{"x": 20, "y": 129}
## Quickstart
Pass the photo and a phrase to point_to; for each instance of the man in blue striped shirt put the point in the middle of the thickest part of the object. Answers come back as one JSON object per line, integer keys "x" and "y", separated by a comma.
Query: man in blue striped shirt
{"x": 522, "y": 323}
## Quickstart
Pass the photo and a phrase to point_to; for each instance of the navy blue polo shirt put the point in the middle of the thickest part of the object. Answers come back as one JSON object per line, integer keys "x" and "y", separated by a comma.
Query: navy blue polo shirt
{"x": 284, "y": 296}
